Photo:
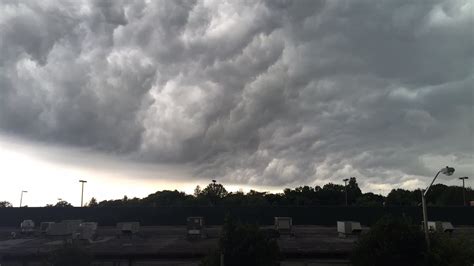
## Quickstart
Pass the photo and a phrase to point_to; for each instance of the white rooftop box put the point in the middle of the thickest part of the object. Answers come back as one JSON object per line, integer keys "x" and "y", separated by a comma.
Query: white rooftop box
{"x": 91, "y": 225}
{"x": 27, "y": 226}
{"x": 73, "y": 223}
{"x": 283, "y": 224}
{"x": 64, "y": 228}
{"x": 195, "y": 226}
{"x": 60, "y": 229}
{"x": 345, "y": 228}
{"x": 44, "y": 226}
{"x": 86, "y": 231}
{"x": 128, "y": 227}
{"x": 440, "y": 226}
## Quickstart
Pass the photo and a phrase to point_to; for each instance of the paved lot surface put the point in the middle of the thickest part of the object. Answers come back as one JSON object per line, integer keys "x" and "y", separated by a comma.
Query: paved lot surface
{"x": 168, "y": 245}
{"x": 172, "y": 240}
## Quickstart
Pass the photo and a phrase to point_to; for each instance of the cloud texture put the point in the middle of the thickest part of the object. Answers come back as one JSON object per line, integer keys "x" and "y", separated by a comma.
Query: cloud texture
{"x": 255, "y": 92}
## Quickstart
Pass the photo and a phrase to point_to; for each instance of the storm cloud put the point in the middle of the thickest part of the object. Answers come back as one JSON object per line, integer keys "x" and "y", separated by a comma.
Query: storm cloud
{"x": 268, "y": 93}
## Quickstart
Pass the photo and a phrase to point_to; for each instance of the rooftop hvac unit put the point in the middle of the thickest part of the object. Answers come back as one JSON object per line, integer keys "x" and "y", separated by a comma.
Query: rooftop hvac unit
{"x": 283, "y": 225}
{"x": 27, "y": 226}
{"x": 345, "y": 228}
{"x": 44, "y": 227}
{"x": 59, "y": 229}
{"x": 128, "y": 227}
{"x": 86, "y": 231}
{"x": 195, "y": 227}
{"x": 64, "y": 228}
{"x": 73, "y": 223}
{"x": 91, "y": 225}
{"x": 440, "y": 226}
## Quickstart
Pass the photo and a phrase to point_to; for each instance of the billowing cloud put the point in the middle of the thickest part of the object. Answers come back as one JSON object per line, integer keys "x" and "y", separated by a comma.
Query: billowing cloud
{"x": 254, "y": 92}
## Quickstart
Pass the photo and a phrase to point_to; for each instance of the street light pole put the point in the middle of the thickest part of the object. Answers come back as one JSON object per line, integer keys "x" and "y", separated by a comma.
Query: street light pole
{"x": 82, "y": 191}
{"x": 425, "y": 217}
{"x": 345, "y": 187}
{"x": 21, "y": 197}
{"x": 446, "y": 171}
{"x": 464, "y": 189}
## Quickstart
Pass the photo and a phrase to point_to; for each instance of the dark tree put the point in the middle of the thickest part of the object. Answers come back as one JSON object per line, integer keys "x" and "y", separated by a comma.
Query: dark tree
{"x": 353, "y": 191}
{"x": 214, "y": 192}
{"x": 255, "y": 198}
{"x": 440, "y": 194}
{"x": 402, "y": 197}
{"x": 5, "y": 204}
{"x": 329, "y": 194}
{"x": 167, "y": 198}
{"x": 62, "y": 204}
{"x": 391, "y": 242}
{"x": 394, "y": 241}
{"x": 92, "y": 203}
{"x": 235, "y": 199}
{"x": 332, "y": 194}
{"x": 370, "y": 199}
{"x": 243, "y": 244}
{"x": 447, "y": 250}
{"x": 197, "y": 191}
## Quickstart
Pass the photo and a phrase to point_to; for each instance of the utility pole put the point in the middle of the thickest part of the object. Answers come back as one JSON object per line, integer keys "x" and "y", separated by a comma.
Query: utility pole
{"x": 82, "y": 191}
{"x": 345, "y": 187}
{"x": 464, "y": 190}
{"x": 21, "y": 197}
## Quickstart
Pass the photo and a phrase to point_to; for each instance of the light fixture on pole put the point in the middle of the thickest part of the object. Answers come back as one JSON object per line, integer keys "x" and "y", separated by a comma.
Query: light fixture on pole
{"x": 345, "y": 186}
{"x": 82, "y": 191}
{"x": 446, "y": 171}
{"x": 464, "y": 190}
{"x": 21, "y": 197}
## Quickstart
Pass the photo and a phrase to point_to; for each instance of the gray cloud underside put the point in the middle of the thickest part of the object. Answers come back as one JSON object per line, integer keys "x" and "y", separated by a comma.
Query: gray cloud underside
{"x": 258, "y": 92}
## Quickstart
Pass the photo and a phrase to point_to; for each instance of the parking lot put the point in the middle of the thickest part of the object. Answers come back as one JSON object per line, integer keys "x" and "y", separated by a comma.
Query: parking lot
{"x": 169, "y": 245}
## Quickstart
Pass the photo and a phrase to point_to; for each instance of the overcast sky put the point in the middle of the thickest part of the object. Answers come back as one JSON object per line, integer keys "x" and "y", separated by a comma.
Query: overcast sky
{"x": 136, "y": 96}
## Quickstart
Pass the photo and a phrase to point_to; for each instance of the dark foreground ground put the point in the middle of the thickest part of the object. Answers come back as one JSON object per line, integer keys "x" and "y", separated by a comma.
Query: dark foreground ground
{"x": 168, "y": 245}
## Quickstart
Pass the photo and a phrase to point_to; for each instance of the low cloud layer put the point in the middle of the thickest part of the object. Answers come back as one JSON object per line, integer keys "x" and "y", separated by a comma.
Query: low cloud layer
{"x": 268, "y": 93}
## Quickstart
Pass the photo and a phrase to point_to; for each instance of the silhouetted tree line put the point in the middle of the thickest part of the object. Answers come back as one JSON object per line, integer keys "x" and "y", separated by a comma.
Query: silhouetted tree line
{"x": 215, "y": 194}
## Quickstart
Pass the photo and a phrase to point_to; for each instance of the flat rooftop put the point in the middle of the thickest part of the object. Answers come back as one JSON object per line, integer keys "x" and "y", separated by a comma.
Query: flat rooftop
{"x": 170, "y": 243}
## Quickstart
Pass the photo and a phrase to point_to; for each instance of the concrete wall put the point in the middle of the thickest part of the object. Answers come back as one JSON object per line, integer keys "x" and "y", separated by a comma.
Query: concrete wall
{"x": 263, "y": 215}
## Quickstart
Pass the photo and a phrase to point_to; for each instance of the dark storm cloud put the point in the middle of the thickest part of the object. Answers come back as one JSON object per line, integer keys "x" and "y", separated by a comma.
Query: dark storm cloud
{"x": 260, "y": 92}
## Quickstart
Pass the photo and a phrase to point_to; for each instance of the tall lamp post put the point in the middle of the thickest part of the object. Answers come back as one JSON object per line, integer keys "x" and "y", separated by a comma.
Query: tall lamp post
{"x": 82, "y": 191}
{"x": 21, "y": 197}
{"x": 345, "y": 187}
{"x": 464, "y": 189}
{"x": 446, "y": 171}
